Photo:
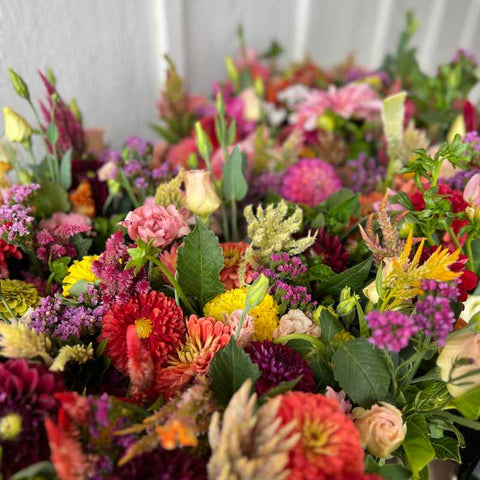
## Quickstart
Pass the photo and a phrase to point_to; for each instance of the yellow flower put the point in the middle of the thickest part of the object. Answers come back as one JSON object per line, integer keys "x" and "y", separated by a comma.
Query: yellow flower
{"x": 17, "y": 129}
{"x": 79, "y": 270}
{"x": 265, "y": 315}
{"x": 17, "y": 296}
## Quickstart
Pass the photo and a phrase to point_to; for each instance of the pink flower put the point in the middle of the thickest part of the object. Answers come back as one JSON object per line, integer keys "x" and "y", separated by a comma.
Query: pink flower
{"x": 471, "y": 193}
{"x": 151, "y": 222}
{"x": 246, "y": 333}
{"x": 178, "y": 154}
{"x": 60, "y": 218}
{"x": 355, "y": 100}
{"x": 345, "y": 405}
{"x": 314, "y": 105}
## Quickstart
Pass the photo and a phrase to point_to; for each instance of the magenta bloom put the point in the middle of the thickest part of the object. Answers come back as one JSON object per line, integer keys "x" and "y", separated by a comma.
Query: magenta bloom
{"x": 310, "y": 181}
{"x": 153, "y": 222}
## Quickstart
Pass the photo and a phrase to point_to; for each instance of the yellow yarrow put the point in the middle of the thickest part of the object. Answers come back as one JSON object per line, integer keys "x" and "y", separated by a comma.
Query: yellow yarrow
{"x": 79, "y": 270}
{"x": 265, "y": 315}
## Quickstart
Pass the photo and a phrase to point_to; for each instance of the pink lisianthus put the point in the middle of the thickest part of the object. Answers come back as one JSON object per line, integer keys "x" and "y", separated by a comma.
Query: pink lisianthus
{"x": 314, "y": 105}
{"x": 355, "y": 100}
{"x": 151, "y": 222}
{"x": 341, "y": 397}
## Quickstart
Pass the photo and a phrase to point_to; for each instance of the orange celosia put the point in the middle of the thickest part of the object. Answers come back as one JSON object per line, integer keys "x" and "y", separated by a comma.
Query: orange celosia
{"x": 82, "y": 200}
{"x": 175, "y": 434}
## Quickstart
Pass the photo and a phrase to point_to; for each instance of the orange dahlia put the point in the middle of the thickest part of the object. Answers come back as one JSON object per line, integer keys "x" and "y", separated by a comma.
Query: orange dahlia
{"x": 233, "y": 255}
{"x": 329, "y": 447}
{"x": 158, "y": 322}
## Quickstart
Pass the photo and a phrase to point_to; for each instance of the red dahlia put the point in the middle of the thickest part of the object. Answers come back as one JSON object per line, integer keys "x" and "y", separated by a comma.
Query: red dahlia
{"x": 334, "y": 253}
{"x": 158, "y": 323}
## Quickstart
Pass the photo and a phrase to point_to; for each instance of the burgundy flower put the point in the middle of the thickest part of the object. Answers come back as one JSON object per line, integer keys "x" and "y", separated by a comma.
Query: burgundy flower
{"x": 27, "y": 389}
{"x": 334, "y": 253}
{"x": 279, "y": 363}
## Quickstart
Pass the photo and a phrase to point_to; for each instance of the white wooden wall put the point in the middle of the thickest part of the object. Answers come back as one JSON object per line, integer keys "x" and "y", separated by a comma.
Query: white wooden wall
{"x": 108, "y": 53}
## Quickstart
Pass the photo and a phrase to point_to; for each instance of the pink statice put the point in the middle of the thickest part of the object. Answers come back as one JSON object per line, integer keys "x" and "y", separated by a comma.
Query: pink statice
{"x": 118, "y": 284}
{"x": 152, "y": 222}
{"x": 355, "y": 100}
{"x": 341, "y": 397}
{"x": 310, "y": 181}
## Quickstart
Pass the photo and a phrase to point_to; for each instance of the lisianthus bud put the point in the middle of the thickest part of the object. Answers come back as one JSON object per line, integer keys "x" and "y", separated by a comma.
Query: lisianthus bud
{"x": 75, "y": 110}
{"x": 326, "y": 122}
{"x": 200, "y": 197}
{"x": 256, "y": 291}
{"x": 381, "y": 428}
{"x": 232, "y": 70}
{"x": 460, "y": 356}
{"x": 347, "y": 303}
{"x": 10, "y": 426}
{"x": 17, "y": 129}
{"x": 203, "y": 142}
{"x": 19, "y": 85}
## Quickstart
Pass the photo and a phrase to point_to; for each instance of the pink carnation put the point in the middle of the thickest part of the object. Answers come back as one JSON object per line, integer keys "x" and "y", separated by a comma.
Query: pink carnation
{"x": 355, "y": 100}
{"x": 153, "y": 222}
{"x": 310, "y": 181}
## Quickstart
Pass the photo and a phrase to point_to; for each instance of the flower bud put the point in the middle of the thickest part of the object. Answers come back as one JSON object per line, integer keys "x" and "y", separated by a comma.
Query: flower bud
{"x": 220, "y": 104}
{"x": 10, "y": 426}
{"x": 259, "y": 87}
{"x": 251, "y": 105}
{"x": 347, "y": 303}
{"x": 232, "y": 71}
{"x": 75, "y": 110}
{"x": 471, "y": 192}
{"x": 200, "y": 197}
{"x": 256, "y": 291}
{"x": 203, "y": 142}
{"x": 17, "y": 129}
{"x": 19, "y": 85}
{"x": 326, "y": 122}
{"x": 381, "y": 428}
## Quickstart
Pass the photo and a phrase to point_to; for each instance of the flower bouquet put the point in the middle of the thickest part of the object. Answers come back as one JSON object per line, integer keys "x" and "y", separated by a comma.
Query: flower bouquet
{"x": 283, "y": 287}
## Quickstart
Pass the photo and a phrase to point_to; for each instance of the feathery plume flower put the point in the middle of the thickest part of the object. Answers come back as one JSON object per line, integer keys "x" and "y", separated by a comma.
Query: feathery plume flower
{"x": 391, "y": 329}
{"x": 334, "y": 254}
{"x": 310, "y": 181}
{"x": 17, "y": 296}
{"x": 329, "y": 444}
{"x": 71, "y": 353}
{"x": 250, "y": 443}
{"x": 27, "y": 390}
{"x": 265, "y": 315}
{"x": 234, "y": 257}
{"x": 80, "y": 270}
{"x": 170, "y": 193}
{"x": 158, "y": 323}
{"x": 279, "y": 363}
{"x": 205, "y": 337}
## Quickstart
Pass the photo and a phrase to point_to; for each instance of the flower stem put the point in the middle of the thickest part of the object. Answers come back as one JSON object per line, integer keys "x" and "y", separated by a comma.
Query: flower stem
{"x": 454, "y": 237}
{"x": 468, "y": 247}
{"x": 234, "y": 221}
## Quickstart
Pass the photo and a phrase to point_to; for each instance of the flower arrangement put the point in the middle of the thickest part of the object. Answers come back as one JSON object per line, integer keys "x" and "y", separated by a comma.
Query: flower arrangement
{"x": 282, "y": 287}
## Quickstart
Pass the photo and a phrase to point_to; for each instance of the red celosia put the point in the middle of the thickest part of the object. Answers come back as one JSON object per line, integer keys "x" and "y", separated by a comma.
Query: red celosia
{"x": 334, "y": 253}
{"x": 233, "y": 255}
{"x": 329, "y": 447}
{"x": 158, "y": 322}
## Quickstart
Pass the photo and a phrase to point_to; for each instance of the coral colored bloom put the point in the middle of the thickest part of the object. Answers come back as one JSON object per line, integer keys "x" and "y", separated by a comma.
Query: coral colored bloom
{"x": 158, "y": 322}
{"x": 233, "y": 256}
{"x": 310, "y": 181}
{"x": 151, "y": 222}
{"x": 329, "y": 446}
{"x": 205, "y": 336}
{"x": 179, "y": 153}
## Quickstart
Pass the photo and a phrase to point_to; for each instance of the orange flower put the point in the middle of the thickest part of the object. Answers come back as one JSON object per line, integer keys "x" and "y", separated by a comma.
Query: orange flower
{"x": 176, "y": 433}
{"x": 233, "y": 255}
{"x": 82, "y": 200}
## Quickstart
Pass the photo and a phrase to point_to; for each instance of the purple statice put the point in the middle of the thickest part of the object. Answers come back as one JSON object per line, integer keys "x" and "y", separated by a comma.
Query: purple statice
{"x": 473, "y": 139}
{"x": 137, "y": 144}
{"x": 20, "y": 193}
{"x": 296, "y": 296}
{"x": 435, "y": 316}
{"x": 109, "y": 155}
{"x": 141, "y": 183}
{"x": 284, "y": 266}
{"x": 364, "y": 173}
{"x": 466, "y": 54}
{"x": 391, "y": 329}
{"x": 118, "y": 284}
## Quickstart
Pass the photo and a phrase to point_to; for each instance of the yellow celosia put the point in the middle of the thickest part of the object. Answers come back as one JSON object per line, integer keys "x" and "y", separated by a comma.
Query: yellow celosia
{"x": 405, "y": 276}
{"x": 79, "y": 270}
{"x": 69, "y": 353}
{"x": 170, "y": 193}
{"x": 265, "y": 315}
{"x": 17, "y": 340}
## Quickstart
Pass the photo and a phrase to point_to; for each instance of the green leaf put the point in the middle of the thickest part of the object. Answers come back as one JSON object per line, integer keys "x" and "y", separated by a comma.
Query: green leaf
{"x": 234, "y": 184}
{"x": 329, "y": 324}
{"x": 82, "y": 244}
{"x": 281, "y": 388}
{"x": 468, "y": 404}
{"x": 446, "y": 448}
{"x": 66, "y": 170}
{"x": 394, "y": 472}
{"x": 361, "y": 371}
{"x": 78, "y": 288}
{"x": 52, "y": 133}
{"x": 342, "y": 212}
{"x": 51, "y": 198}
{"x": 230, "y": 367}
{"x": 353, "y": 277}
{"x": 320, "y": 272}
{"x": 304, "y": 344}
{"x": 418, "y": 449}
{"x": 101, "y": 347}
{"x": 41, "y": 470}
{"x": 199, "y": 263}
{"x": 59, "y": 268}
{"x": 322, "y": 370}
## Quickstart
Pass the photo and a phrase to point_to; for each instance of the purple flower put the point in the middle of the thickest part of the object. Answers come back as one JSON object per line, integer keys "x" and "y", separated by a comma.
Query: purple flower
{"x": 20, "y": 193}
{"x": 137, "y": 144}
{"x": 391, "y": 330}
{"x": 365, "y": 173}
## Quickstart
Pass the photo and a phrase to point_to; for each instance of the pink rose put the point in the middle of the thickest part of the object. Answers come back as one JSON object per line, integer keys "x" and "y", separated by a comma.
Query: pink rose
{"x": 381, "y": 428}
{"x": 153, "y": 222}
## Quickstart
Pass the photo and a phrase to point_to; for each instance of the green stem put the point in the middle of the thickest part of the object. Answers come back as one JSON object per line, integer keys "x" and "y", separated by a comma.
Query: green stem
{"x": 126, "y": 185}
{"x": 436, "y": 173}
{"x": 150, "y": 268}
{"x": 389, "y": 175}
{"x": 468, "y": 247}
{"x": 30, "y": 152}
{"x": 240, "y": 323}
{"x": 454, "y": 237}
{"x": 234, "y": 221}
{"x": 174, "y": 283}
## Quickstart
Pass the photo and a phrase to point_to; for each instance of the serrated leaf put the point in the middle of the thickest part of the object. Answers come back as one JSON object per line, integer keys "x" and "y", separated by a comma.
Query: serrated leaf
{"x": 230, "y": 367}
{"x": 353, "y": 277}
{"x": 446, "y": 448}
{"x": 199, "y": 263}
{"x": 234, "y": 184}
{"x": 418, "y": 449}
{"x": 330, "y": 325}
{"x": 361, "y": 371}
{"x": 66, "y": 170}
{"x": 468, "y": 404}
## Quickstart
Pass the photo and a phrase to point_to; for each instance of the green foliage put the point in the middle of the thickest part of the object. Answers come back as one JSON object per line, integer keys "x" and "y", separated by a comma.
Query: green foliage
{"x": 199, "y": 263}
{"x": 234, "y": 184}
{"x": 230, "y": 367}
{"x": 50, "y": 198}
{"x": 446, "y": 448}
{"x": 468, "y": 404}
{"x": 65, "y": 179}
{"x": 59, "y": 268}
{"x": 329, "y": 324}
{"x": 418, "y": 449}
{"x": 339, "y": 209}
{"x": 361, "y": 371}
{"x": 40, "y": 470}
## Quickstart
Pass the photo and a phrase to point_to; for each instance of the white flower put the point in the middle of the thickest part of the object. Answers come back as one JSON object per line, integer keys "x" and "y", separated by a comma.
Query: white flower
{"x": 295, "y": 321}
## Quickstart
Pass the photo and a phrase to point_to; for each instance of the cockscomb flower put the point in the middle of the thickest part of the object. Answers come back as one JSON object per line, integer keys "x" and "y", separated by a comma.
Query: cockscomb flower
{"x": 265, "y": 315}
{"x": 279, "y": 363}
{"x": 205, "y": 336}
{"x": 158, "y": 322}
{"x": 310, "y": 181}
{"x": 250, "y": 443}
{"x": 80, "y": 270}
{"x": 329, "y": 444}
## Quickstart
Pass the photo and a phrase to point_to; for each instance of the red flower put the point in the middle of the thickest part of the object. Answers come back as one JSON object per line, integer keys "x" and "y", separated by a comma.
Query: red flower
{"x": 233, "y": 254}
{"x": 158, "y": 323}
{"x": 329, "y": 447}
{"x": 334, "y": 253}
{"x": 7, "y": 250}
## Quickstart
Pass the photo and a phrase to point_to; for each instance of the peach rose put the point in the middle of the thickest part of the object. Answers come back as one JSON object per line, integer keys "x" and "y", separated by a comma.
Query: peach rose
{"x": 464, "y": 345}
{"x": 295, "y": 321}
{"x": 381, "y": 428}
{"x": 200, "y": 197}
{"x": 153, "y": 222}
